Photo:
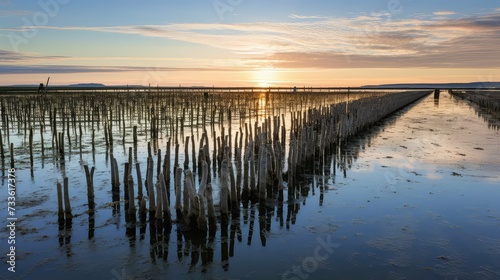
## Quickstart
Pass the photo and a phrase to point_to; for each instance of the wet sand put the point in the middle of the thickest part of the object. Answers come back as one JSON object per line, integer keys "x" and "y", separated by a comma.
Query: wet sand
{"x": 413, "y": 197}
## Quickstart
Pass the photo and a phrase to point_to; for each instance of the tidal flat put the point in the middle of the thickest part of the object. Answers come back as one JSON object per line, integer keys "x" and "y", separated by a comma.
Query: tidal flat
{"x": 411, "y": 196}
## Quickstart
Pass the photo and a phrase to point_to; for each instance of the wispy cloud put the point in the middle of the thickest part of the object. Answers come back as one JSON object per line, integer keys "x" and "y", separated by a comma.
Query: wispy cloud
{"x": 364, "y": 41}
{"x": 7, "y": 56}
{"x": 57, "y": 69}
{"x": 294, "y": 16}
{"x": 8, "y": 13}
{"x": 20, "y": 63}
{"x": 444, "y": 13}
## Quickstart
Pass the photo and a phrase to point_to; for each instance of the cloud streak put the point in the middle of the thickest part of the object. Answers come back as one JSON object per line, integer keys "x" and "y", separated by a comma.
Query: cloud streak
{"x": 294, "y": 16}
{"x": 7, "y": 56}
{"x": 444, "y": 13}
{"x": 71, "y": 69}
{"x": 364, "y": 41}
{"x": 10, "y": 13}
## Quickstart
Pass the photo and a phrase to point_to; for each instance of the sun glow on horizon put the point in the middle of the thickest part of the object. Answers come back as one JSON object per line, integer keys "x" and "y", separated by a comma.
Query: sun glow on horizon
{"x": 265, "y": 77}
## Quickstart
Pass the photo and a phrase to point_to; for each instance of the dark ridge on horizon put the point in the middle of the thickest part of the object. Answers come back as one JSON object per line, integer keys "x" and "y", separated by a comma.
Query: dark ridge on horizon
{"x": 87, "y": 85}
{"x": 439, "y": 85}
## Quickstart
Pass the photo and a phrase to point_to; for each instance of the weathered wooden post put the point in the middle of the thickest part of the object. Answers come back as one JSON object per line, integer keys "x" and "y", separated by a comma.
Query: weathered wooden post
{"x": 135, "y": 135}
{"x": 186, "y": 153}
{"x": 224, "y": 189}
{"x": 131, "y": 204}
{"x": 1, "y": 145}
{"x": 60, "y": 211}
{"x": 67, "y": 204}
{"x": 11, "y": 155}
{"x": 210, "y": 206}
{"x": 178, "y": 192}
{"x": 90, "y": 188}
{"x": 139, "y": 181}
{"x": 31, "y": 146}
{"x": 150, "y": 187}
{"x": 167, "y": 217}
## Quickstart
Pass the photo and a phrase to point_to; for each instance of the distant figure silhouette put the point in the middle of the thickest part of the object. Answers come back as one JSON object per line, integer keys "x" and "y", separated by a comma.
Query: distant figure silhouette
{"x": 40, "y": 87}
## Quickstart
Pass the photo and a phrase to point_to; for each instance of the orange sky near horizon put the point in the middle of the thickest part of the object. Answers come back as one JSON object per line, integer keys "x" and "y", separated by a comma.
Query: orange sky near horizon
{"x": 263, "y": 78}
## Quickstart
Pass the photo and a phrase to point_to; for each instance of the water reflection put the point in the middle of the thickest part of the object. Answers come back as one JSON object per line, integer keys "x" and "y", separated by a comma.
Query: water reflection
{"x": 203, "y": 250}
{"x": 65, "y": 233}
{"x": 492, "y": 118}
{"x": 487, "y": 98}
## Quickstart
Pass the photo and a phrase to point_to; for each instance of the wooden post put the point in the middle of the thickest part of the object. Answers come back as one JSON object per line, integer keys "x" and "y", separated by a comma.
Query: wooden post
{"x": 11, "y": 155}
{"x": 90, "y": 188}
{"x": 1, "y": 145}
{"x": 31, "y": 146}
{"x": 67, "y": 204}
{"x": 204, "y": 176}
{"x": 93, "y": 139}
{"x": 47, "y": 85}
{"x": 166, "y": 169}
{"x": 262, "y": 172}
{"x": 188, "y": 197}
{"x": 158, "y": 209}
{"x": 167, "y": 217}
{"x": 201, "y": 220}
{"x": 178, "y": 192}
{"x": 139, "y": 181}
{"x": 245, "y": 194}
{"x": 117, "y": 175}
{"x": 125, "y": 183}
{"x": 131, "y": 204}
{"x": 186, "y": 153}
{"x": 158, "y": 165}
{"x": 142, "y": 211}
{"x": 106, "y": 133}
{"x": 224, "y": 188}
{"x": 194, "y": 154}
{"x": 60, "y": 211}
{"x": 135, "y": 135}
{"x": 210, "y": 205}
{"x": 151, "y": 192}
{"x": 176, "y": 159}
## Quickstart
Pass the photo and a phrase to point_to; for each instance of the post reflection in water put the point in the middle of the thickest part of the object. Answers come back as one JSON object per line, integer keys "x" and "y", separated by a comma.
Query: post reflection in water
{"x": 65, "y": 233}
{"x": 318, "y": 180}
{"x": 265, "y": 119}
{"x": 196, "y": 248}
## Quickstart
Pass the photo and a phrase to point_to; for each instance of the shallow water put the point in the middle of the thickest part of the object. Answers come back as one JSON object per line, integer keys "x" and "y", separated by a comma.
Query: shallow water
{"x": 414, "y": 196}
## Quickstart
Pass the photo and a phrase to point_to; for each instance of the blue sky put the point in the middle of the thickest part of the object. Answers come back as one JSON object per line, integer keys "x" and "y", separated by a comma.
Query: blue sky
{"x": 249, "y": 42}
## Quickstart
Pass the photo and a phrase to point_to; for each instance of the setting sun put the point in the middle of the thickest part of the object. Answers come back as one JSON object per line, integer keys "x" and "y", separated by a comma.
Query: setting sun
{"x": 265, "y": 77}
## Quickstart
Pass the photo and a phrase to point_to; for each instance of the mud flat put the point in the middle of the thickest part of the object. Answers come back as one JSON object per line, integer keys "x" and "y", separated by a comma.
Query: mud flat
{"x": 412, "y": 195}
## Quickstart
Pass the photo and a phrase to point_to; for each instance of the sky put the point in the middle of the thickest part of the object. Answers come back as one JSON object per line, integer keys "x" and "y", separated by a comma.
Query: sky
{"x": 249, "y": 42}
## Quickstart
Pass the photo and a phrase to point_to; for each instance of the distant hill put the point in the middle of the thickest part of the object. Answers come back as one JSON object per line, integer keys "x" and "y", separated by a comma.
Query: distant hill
{"x": 443, "y": 85}
{"x": 87, "y": 85}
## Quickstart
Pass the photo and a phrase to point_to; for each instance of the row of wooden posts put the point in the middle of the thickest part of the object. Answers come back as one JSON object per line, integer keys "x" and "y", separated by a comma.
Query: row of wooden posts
{"x": 258, "y": 170}
{"x": 70, "y": 117}
{"x": 488, "y": 102}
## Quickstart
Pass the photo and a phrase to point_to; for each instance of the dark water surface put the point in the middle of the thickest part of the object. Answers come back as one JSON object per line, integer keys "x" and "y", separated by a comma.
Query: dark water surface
{"x": 414, "y": 197}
